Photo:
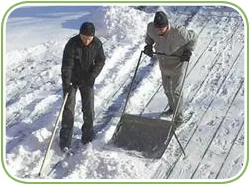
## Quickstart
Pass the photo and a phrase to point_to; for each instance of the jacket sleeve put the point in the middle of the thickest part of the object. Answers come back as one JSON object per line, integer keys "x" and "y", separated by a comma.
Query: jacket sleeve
{"x": 67, "y": 64}
{"x": 99, "y": 62}
{"x": 148, "y": 39}
{"x": 190, "y": 38}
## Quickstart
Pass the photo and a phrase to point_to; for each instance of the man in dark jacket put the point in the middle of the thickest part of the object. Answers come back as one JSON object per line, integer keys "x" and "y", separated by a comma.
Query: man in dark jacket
{"x": 83, "y": 60}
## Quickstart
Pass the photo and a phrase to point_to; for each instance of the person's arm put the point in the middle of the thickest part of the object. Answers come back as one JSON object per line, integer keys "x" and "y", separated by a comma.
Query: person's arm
{"x": 148, "y": 39}
{"x": 67, "y": 65}
{"x": 99, "y": 62}
{"x": 190, "y": 40}
{"x": 148, "y": 49}
{"x": 98, "y": 65}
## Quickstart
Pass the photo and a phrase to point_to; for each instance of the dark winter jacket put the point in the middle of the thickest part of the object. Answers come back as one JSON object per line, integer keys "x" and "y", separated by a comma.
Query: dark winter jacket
{"x": 82, "y": 64}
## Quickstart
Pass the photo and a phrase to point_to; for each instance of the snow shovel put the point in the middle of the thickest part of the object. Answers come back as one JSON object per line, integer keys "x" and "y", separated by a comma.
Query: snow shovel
{"x": 53, "y": 135}
{"x": 148, "y": 136}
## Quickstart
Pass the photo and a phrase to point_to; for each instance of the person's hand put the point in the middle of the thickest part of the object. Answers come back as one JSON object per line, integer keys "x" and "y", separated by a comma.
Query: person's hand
{"x": 148, "y": 50}
{"x": 186, "y": 56}
{"x": 91, "y": 80}
{"x": 67, "y": 88}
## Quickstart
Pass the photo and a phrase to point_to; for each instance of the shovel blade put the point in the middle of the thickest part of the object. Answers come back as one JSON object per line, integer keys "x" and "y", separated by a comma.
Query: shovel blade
{"x": 145, "y": 135}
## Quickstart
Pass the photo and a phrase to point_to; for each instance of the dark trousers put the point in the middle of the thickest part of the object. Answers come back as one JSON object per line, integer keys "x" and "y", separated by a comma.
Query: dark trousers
{"x": 87, "y": 97}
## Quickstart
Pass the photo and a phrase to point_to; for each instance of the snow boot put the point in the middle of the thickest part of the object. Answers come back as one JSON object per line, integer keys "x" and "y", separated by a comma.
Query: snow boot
{"x": 183, "y": 119}
{"x": 87, "y": 137}
{"x": 167, "y": 113}
{"x": 66, "y": 150}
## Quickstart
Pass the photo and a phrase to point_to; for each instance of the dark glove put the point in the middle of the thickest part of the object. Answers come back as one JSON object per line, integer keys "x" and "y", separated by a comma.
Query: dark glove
{"x": 186, "y": 56}
{"x": 91, "y": 80}
{"x": 67, "y": 88}
{"x": 148, "y": 50}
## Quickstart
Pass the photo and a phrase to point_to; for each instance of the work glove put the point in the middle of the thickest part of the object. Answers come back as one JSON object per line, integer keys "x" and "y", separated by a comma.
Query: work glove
{"x": 67, "y": 88}
{"x": 148, "y": 50}
{"x": 186, "y": 56}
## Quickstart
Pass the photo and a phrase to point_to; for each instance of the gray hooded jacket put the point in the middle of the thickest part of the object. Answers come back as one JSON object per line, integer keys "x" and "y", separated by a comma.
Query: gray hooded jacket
{"x": 172, "y": 44}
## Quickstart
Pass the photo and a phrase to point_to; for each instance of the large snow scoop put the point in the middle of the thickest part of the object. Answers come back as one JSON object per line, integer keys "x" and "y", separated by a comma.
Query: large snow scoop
{"x": 148, "y": 136}
{"x": 145, "y": 135}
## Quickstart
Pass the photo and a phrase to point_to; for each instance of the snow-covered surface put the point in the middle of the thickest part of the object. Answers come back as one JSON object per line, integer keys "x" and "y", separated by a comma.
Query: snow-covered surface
{"x": 213, "y": 137}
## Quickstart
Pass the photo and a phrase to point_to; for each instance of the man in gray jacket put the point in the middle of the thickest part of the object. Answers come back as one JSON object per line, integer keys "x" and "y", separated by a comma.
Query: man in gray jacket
{"x": 176, "y": 44}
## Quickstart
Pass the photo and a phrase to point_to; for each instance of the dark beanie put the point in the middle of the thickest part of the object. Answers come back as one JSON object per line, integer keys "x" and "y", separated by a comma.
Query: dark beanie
{"x": 88, "y": 29}
{"x": 161, "y": 19}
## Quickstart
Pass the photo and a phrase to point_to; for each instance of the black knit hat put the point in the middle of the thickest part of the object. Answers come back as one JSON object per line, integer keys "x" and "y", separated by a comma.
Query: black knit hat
{"x": 88, "y": 29}
{"x": 161, "y": 19}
